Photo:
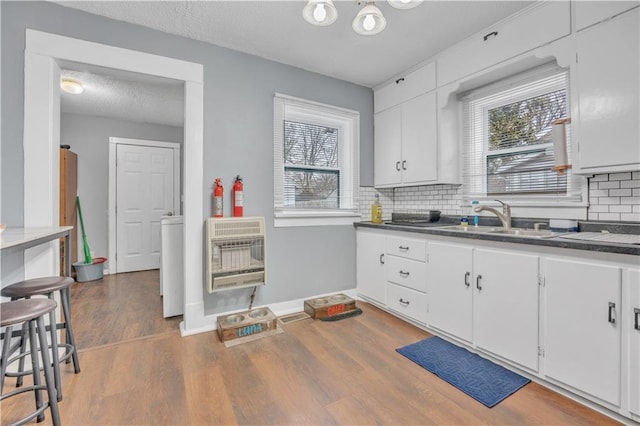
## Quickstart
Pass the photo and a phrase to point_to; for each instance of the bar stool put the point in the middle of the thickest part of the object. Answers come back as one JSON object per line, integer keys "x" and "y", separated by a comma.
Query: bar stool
{"x": 31, "y": 312}
{"x": 47, "y": 286}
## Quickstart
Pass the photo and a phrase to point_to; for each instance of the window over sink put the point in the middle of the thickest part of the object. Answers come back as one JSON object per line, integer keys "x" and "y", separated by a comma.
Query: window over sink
{"x": 316, "y": 163}
{"x": 508, "y": 150}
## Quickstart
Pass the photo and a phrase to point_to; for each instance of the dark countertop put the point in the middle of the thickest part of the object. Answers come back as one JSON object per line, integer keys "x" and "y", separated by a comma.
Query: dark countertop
{"x": 436, "y": 228}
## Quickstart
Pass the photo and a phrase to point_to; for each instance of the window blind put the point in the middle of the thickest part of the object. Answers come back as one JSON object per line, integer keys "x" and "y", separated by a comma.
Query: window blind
{"x": 507, "y": 138}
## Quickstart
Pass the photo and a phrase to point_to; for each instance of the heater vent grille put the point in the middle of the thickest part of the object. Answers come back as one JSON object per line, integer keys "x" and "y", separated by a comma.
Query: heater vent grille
{"x": 235, "y": 253}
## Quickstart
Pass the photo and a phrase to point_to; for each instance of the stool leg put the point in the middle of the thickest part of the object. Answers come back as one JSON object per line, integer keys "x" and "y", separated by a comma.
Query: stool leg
{"x": 6, "y": 345}
{"x": 54, "y": 350}
{"x": 64, "y": 297}
{"x": 34, "y": 365}
{"x": 23, "y": 350}
{"x": 48, "y": 373}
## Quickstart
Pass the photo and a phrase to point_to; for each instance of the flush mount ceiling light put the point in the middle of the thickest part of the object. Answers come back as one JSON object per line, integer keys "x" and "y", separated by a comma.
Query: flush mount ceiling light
{"x": 368, "y": 21}
{"x": 320, "y": 12}
{"x": 71, "y": 86}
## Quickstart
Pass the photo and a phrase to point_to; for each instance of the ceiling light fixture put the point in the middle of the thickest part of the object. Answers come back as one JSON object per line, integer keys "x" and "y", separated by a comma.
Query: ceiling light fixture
{"x": 404, "y": 4}
{"x": 71, "y": 86}
{"x": 368, "y": 21}
{"x": 320, "y": 12}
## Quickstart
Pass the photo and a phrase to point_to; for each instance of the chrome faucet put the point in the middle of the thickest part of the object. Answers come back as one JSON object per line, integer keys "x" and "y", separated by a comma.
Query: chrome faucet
{"x": 505, "y": 216}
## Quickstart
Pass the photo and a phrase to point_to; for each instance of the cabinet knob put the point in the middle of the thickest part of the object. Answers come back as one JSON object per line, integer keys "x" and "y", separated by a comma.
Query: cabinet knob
{"x": 382, "y": 258}
{"x": 466, "y": 279}
{"x": 397, "y": 165}
{"x": 403, "y": 273}
{"x": 636, "y": 318}
{"x": 478, "y": 286}
{"x": 404, "y": 164}
{"x": 400, "y": 80}
{"x": 404, "y": 302}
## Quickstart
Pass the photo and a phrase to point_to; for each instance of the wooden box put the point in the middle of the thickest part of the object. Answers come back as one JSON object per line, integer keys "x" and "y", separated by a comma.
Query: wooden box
{"x": 329, "y": 306}
{"x": 248, "y": 323}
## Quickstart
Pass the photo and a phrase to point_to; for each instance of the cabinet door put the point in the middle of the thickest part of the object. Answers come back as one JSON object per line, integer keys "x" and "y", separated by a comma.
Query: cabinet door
{"x": 406, "y": 87}
{"x": 388, "y": 147}
{"x": 449, "y": 286}
{"x": 542, "y": 24}
{"x": 582, "y": 330}
{"x": 591, "y": 12}
{"x": 505, "y": 305}
{"x": 634, "y": 341}
{"x": 419, "y": 140}
{"x": 370, "y": 265}
{"x": 607, "y": 77}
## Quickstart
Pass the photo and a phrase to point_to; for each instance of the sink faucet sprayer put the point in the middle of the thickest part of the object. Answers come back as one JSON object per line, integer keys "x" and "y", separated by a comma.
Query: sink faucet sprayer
{"x": 505, "y": 216}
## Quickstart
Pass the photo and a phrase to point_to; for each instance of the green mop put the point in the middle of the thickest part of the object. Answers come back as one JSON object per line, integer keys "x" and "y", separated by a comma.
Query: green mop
{"x": 87, "y": 253}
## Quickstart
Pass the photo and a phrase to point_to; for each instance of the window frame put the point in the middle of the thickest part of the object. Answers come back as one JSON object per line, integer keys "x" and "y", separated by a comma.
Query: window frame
{"x": 289, "y": 108}
{"x": 529, "y": 204}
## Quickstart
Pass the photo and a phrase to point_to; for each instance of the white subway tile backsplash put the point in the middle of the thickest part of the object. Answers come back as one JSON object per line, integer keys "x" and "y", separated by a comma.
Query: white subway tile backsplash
{"x": 612, "y": 197}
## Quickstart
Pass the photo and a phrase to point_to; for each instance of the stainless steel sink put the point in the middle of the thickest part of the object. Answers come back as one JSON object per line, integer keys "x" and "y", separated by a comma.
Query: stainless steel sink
{"x": 470, "y": 228}
{"x": 516, "y": 232}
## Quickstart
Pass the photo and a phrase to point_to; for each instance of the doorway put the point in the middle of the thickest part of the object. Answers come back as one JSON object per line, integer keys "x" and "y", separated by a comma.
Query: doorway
{"x": 144, "y": 185}
{"x": 41, "y": 141}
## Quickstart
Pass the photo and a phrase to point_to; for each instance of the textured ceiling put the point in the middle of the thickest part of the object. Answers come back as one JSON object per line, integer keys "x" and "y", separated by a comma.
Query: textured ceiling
{"x": 275, "y": 30}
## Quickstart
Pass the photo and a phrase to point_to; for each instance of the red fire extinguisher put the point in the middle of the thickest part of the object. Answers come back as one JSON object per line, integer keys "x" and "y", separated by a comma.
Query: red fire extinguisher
{"x": 218, "y": 193}
{"x": 238, "y": 197}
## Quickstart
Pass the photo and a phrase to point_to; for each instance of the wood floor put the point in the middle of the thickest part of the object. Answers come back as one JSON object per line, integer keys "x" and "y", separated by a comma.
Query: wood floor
{"x": 137, "y": 370}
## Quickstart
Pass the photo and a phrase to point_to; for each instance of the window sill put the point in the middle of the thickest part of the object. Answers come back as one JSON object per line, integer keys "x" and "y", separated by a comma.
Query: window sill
{"x": 291, "y": 218}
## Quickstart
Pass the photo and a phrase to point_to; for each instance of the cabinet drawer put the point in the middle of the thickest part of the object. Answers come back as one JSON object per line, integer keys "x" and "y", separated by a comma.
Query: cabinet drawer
{"x": 540, "y": 25}
{"x": 408, "y": 248}
{"x": 407, "y": 302}
{"x": 408, "y": 273}
{"x": 406, "y": 87}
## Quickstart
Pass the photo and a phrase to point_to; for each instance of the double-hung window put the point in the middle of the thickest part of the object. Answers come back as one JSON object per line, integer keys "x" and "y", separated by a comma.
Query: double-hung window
{"x": 315, "y": 163}
{"x": 508, "y": 148}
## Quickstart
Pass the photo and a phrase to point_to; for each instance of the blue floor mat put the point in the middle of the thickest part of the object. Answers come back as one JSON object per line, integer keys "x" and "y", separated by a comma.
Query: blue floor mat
{"x": 479, "y": 378}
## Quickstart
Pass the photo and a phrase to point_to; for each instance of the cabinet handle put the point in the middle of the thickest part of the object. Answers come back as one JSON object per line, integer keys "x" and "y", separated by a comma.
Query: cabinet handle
{"x": 478, "y": 286}
{"x": 466, "y": 279}
{"x": 404, "y": 302}
{"x": 400, "y": 80}
{"x": 404, "y": 164}
{"x": 397, "y": 165}
{"x": 636, "y": 318}
{"x": 382, "y": 258}
{"x": 494, "y": 33}
{"x": 403, "y": 248}
{"x": 403, "y": 273}
{"x": 612, "y": 310}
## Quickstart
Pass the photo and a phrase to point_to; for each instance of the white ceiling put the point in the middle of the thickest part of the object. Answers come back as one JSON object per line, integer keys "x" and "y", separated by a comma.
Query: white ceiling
{"x": 275, "y": 30}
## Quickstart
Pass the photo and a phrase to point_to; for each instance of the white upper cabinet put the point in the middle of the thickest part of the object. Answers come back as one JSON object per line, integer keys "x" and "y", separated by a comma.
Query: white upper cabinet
{"x": 406, "y": 143}
{"x": 608, "y": 72}
{"x": 591, "y": 12}
{"x": 405, "y": 87}
{"x": 533, "y": 28}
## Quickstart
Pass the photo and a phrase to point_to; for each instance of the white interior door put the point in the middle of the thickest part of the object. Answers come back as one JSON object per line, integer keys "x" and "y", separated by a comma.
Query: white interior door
{"x": 145, "y": 191}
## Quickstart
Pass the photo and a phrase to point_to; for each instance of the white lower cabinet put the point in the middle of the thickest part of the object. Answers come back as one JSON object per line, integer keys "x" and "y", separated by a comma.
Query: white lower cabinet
{"x": 582, "y": 327}
{"x": 371, "y": 275}
{"x": 487, "y": 297}
{"x": 505, "y": 305}
{"x": 450, "y": 291}
{"x": 633, "y": 325}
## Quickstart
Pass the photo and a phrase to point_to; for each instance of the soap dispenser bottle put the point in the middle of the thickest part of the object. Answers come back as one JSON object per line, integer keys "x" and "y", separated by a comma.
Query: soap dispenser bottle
{"x": 376, "y": 210}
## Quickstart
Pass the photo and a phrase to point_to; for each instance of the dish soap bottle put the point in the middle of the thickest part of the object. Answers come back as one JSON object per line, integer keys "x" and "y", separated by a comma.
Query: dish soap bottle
{"x": 376, "y": 210}
{"x": 476, "y": 218}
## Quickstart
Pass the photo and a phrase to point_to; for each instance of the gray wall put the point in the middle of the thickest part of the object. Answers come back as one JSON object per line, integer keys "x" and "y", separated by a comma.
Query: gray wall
{"x": 89, "y": 138}
{"x": 238, "y": 129}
